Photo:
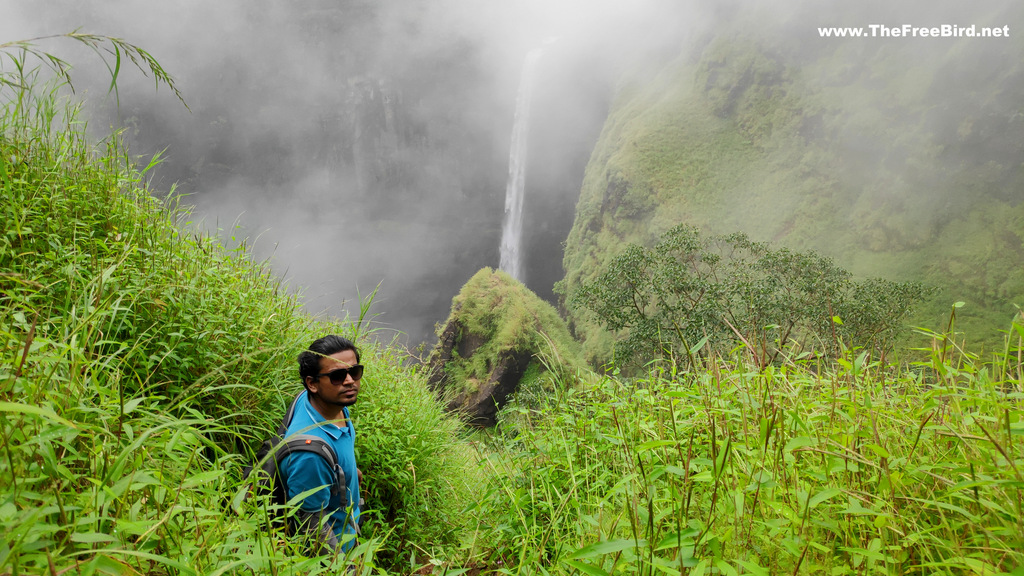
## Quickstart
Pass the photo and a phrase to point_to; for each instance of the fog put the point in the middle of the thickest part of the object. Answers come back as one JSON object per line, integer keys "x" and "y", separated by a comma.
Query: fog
{"x": 360, "y": 143}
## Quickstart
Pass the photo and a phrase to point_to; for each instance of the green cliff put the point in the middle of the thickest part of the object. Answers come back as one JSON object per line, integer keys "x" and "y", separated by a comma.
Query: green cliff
{"x": 897, "y": 158}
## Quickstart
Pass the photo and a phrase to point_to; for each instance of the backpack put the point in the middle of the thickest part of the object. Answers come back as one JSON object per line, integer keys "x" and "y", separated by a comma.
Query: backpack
{"x": 267, "y": 467}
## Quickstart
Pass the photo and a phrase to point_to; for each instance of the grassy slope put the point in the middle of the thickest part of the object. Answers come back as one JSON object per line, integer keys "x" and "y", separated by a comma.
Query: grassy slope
{"x": 797, "y": 470}
{"x": 862, "y": 152}
{"x": 139, "y": 358}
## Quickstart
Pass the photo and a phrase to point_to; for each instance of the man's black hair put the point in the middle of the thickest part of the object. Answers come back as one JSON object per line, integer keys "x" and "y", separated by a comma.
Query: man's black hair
{"x": 309, "y": 360}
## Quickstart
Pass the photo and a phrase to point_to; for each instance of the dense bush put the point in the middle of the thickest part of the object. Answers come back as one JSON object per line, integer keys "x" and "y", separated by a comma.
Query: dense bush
{"x": 690, "y": 295}
{"x": 419, "y": 476}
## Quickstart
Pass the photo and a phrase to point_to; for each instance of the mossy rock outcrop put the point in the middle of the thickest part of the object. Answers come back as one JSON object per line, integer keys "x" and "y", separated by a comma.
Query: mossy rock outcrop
{"x": 499, "y": 334}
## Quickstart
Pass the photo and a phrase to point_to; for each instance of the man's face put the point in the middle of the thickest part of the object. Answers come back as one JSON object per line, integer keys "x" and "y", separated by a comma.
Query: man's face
{"x": 338, "y": 394}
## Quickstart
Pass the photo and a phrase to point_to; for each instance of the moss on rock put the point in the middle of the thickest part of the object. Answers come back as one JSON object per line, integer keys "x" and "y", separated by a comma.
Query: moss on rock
{"x": 498, "y": 331}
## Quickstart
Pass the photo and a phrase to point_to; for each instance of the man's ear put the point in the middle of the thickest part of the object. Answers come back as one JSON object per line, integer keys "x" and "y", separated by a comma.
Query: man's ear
{"x": 311, "y": 385}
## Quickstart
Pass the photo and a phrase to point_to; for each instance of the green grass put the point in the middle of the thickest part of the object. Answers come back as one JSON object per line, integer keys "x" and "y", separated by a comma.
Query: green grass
{"x": 793, "y": 470}
{"x": 135, "y": 355}
{"x": 141, "y": 362}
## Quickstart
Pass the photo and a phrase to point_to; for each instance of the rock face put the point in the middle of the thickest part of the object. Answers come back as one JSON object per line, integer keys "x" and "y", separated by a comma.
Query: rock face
{"x": 478, "y": 404}
{"x": 494, "y": 339}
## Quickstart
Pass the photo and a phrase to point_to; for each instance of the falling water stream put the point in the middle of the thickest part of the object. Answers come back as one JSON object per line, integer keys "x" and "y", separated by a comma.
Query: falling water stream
{"x": 512, "y": 229}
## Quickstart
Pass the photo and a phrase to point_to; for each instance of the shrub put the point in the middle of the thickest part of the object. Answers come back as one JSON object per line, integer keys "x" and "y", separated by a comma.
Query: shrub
{"x": 691, "y": 296}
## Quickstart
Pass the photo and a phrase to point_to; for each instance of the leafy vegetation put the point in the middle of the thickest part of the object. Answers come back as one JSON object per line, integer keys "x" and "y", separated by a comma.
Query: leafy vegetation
{"x": 692, "y": 296}
{"x": 856, "y": 469}
{"x": 502, "y": 316}
{"x": 141, "y": 362}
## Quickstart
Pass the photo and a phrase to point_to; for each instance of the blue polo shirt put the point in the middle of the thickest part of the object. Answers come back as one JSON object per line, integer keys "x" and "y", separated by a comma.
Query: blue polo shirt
{"x": 304, "y": 471}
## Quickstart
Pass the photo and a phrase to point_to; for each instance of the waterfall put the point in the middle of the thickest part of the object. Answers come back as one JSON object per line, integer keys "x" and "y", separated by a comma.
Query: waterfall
{"x": 512, "y": 228}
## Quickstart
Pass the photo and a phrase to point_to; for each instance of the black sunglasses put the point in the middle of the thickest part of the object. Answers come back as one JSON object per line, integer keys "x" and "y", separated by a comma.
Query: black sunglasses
{"x": 341, "y": 374}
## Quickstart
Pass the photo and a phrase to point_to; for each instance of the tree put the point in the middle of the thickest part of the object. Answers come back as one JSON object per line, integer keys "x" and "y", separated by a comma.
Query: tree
{"x": 690, "y": 296}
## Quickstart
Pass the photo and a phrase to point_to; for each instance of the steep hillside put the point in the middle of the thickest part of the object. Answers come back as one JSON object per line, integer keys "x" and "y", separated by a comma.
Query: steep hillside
{"x": 898, "y": 157}
{"x": 139, "y": 363}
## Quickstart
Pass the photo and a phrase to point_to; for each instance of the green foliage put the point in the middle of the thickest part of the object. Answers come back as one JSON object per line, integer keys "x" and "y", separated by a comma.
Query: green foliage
{"x": 135, "y": 357}
{"x": 887, "y": 161}
{"x": 692, "y": 296}
{"x": 19, "y": 85}
{"x": 860, "y": 468}
{"x": 418, "y": 475}
{"x": 503, "y": 316}
{"x": 140, "y": 362}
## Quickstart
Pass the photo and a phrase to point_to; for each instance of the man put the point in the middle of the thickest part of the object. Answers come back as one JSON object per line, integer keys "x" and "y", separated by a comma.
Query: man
{"x": 331, "y": 372}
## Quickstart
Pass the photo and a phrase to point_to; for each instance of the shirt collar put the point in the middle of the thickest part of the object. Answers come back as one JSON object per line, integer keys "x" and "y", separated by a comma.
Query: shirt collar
{"x": 330, "y": 427}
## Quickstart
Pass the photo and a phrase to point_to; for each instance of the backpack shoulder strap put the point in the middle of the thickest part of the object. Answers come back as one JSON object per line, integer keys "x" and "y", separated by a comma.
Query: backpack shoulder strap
{"x": 319, "y": 446}
{"x": 307, "y": 443}
{"x": 288, "y": 415}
